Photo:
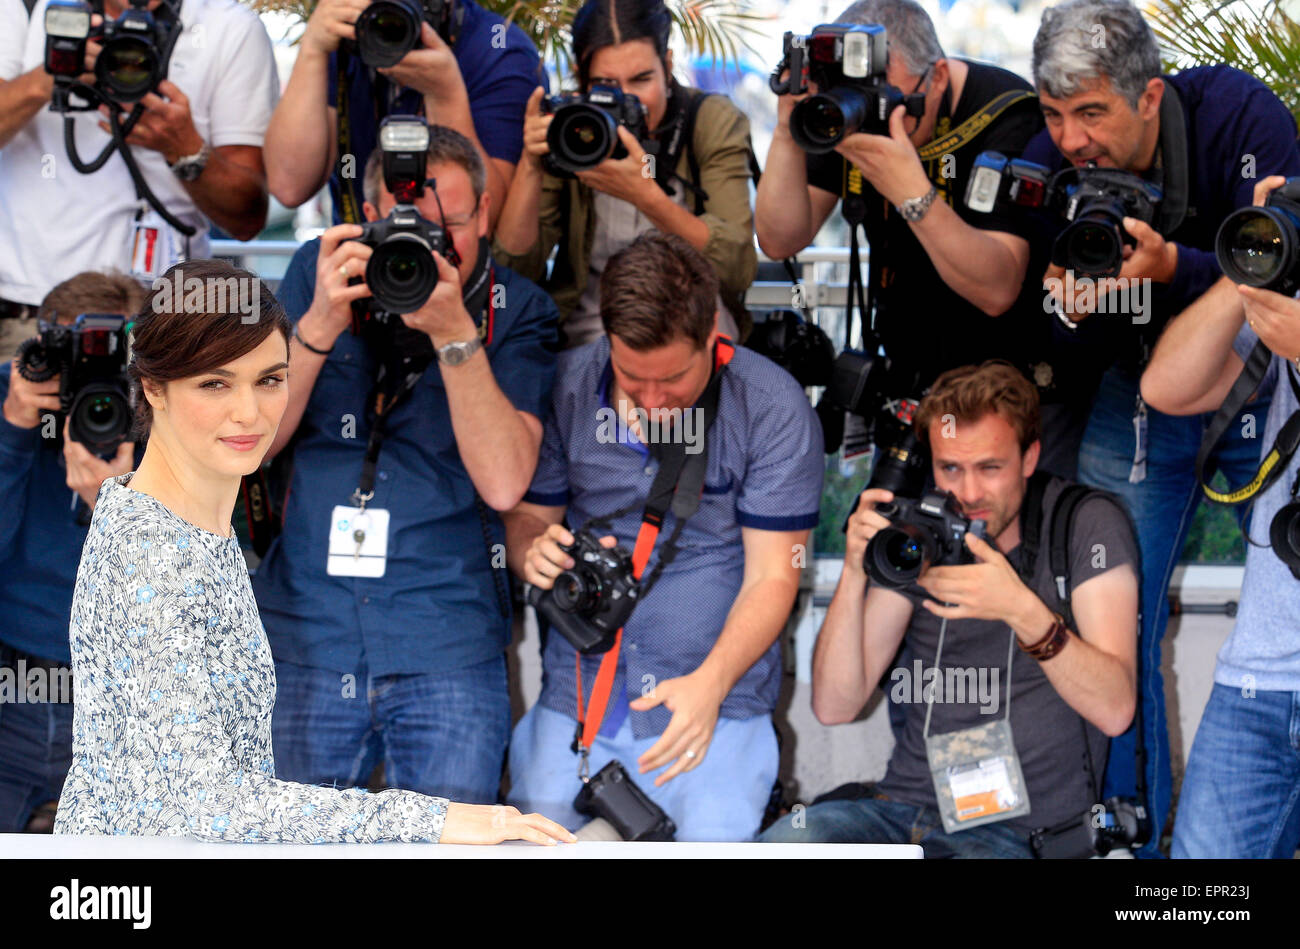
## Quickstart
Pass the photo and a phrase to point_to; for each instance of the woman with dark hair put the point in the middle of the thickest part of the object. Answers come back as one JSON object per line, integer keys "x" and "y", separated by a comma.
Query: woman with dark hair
{"x": 624, "y": 43}
{"x": 174, "y": 681}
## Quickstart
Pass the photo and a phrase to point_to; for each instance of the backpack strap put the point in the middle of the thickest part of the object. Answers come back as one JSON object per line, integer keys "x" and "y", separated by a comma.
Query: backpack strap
{"x": 1031, "y": 522}
{"x": 1062, "y": 527}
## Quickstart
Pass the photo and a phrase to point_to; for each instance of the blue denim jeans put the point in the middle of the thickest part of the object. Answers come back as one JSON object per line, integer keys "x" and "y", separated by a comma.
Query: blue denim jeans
{"x": 35, "y": 749}
{"x": 436, "y": 733}
{"x": 720, "y": 799}
{"x": 1241, "y": 793}
{"x": 1162, "y": 506}
{"x": 875, "y": 820}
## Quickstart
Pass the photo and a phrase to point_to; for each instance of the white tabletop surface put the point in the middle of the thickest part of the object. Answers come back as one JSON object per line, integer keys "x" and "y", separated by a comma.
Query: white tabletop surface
{"x": 56, "y": 846}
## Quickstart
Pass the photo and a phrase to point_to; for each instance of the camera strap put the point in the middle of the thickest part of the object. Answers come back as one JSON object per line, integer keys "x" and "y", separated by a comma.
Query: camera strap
{"x": 677, "y": 487}
{"x": 1284, "y": 446}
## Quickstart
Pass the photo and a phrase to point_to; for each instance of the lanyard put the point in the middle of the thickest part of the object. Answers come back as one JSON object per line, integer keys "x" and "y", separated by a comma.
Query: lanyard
{"x": 938, "y": 678}
{"x": 665, "y": 494}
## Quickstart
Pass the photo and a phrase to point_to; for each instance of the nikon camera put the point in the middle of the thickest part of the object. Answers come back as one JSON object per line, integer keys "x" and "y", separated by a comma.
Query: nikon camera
{"x": 590, "y": 603}
{"x": 847, "y": 62}
{"x": 389, "y": 29}
{"x": 89, "y": 358}
{"x": 132, "y": 61}
{"x": 1094, "y": 200}
{"x": 584, "y": 130}
{"x": 926, "y": 533}
{"x": 1260, "y": 247}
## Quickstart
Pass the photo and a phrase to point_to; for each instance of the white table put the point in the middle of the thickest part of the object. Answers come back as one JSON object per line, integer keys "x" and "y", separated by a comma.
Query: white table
{"x": 59, "y": 846}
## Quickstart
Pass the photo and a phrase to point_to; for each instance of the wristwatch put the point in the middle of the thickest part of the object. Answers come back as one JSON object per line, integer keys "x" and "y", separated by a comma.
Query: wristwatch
{"x": 913, "y": 209}
{"x": 190, "y": 167}
{"x": 453, "y": 354}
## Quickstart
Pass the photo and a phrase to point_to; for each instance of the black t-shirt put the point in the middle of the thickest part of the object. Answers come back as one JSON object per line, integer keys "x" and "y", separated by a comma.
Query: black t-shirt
{"x": 971, "y": 689}
{"x": 925, "y": 326}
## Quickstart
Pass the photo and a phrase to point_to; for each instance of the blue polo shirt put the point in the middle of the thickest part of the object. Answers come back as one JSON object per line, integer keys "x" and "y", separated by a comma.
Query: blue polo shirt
{"x": 436, "y": 609}
{"x": 765, "y": 464}
{"x": 40, "y": 539}
{"x": 500, "y": 68}
{"x": 1238, "y": 133}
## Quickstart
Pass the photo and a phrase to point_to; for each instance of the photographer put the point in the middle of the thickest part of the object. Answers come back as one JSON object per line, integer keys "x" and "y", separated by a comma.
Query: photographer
{"x": 938, "y": 274}
{"x": 1199, "y": 135}
{"x": 696, "y": 143}
{"x": 979, "y": 619}
{"x": 42, "y": 539}
{"x": 198, "y": 147}
{"x": 683, "y": 700}
{"x": 472, "y": 73}
{"x": 1244, "y": 748}
{"x": 404, "y": 664}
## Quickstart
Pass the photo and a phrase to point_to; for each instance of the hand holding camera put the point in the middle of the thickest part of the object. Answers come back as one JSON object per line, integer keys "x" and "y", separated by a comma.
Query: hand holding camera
{"x": 87, "y": 472}
{"x": 989, "y": 589}
{"x": 330, "y": 22}
{"x": 27, "y": 401}
{"x": 582, "y": 584}
{"x": 625, "y": 178}
{"x": 536, "y": 125}
{"x": 864, "y": 523}
{"x": 888, "y": 161}
{"x": 430, "y": 69}
{"x": 165, "y": 126}
{"x": 340, "y": 261}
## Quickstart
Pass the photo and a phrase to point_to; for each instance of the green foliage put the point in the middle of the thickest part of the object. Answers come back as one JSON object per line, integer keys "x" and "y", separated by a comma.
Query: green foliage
{"x": 1259, "y": 38}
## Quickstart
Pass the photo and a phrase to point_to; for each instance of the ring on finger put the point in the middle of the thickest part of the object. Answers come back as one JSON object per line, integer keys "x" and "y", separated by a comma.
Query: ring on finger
{"x": 690, "y": 753}
{"x": 343, "y": 269}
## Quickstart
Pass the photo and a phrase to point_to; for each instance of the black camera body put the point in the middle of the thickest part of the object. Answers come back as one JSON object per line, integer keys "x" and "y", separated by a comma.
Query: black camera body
{"x": 590, "y": 603}
{"x": 90, "y": 359}
{"x": 847, "y": 62}
{"x": 135, "y": 53}
{"x": 1260, "y": 247}
{"x": 797, "y": 345}
{"x": 584, "y": 130}
{"x": 867, "y": 386}
{"x": 1093, "y": 200}
{"x": 928, "y": 532}
{"x": 1117, "y": 822}
{"x": 611, "y": 794}
{"x": 389, "y": 29}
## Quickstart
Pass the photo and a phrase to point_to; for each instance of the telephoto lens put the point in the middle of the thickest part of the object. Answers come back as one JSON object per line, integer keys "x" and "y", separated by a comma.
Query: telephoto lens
{"x": 820, "y": 122}
{"x": 387, "y": 30}
{"x": 1093, "y": 243}
{"x": 127, "y": 67}
{"x": 100, "y": 417}
{"x": 1260, "y": 247}
{"x": 897, "y": 555}
{"x": 402, "y": 273}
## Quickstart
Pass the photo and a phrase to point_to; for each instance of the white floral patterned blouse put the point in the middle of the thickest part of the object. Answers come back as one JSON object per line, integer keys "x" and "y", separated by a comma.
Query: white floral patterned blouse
{"x": 174, "y": 687}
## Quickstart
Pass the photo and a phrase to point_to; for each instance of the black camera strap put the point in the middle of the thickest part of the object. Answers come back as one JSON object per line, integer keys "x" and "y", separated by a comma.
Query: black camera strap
{"x": 677, "y": 488}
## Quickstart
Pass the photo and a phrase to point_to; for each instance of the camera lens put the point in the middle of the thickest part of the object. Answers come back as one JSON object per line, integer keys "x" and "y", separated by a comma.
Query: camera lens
{"x": 1091, "y": 245}
{"x": 581, "y": 136}
{"x": 819, "y": 122}
{"x": 387, "y": 31}
{"x": 1259, "y": 247}
{"x": 898, "y": 554}
{"x": 127, "y": 66}
{"x": 402, "y": 273}
{"x": 100, "y": 417}
{"x": 576, "y": 591}
{"x": 1284, "y": 535}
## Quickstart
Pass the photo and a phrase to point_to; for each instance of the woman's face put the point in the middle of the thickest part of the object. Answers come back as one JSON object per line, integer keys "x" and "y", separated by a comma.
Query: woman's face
{"x": 636, "y": 69}
{"x": 222, "y": 421}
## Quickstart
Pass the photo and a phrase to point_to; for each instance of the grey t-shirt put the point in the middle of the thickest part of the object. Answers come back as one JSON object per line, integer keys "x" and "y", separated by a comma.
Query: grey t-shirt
{"x": 1263, "y": 651}
{"x": 1048, "y": 733}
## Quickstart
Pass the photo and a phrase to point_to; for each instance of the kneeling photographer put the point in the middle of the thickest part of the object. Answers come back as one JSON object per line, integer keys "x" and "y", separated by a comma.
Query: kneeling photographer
{"x": 690, "y": 472}
{"x": 1017, "y": 595}
{"x": 1238, "y": 345}
{"x": 56, "y": 426}
{"x": 421, "y": 372}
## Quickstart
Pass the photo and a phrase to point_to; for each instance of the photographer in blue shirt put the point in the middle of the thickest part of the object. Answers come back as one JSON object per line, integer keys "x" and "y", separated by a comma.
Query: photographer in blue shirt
{"x": 684, "y": 697}
{"x": 52, "y": 484}
{"x": 472, "y": 72}
{"x": 1199, "y": 136}
{"x": 404, "y": 665}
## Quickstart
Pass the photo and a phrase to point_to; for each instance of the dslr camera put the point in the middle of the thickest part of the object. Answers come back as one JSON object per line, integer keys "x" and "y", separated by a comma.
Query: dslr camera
{"x": 136, "y": 49}
{"x": 389, "y": 29}
{"x": 847, "y": 62}
{"x": 1260, "y": 247}
{"x": 612, "y": 795}
{"x": 584, "y": 130}
{"x": 590, "y": 603}
{"x": 402, "y": 273}
{"x": 1117, "y": 822}
{"x": 89, "y": 358}
{"x": 925, "y": 533}
{"x": 797, "y": 345}
{"x": 1094, "y": 200}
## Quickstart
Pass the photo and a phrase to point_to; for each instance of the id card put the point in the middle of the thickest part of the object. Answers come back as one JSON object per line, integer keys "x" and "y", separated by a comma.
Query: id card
{"x": 977, "y": 776}
{"x": 154, "y": 247}
{"x": 358, "y": 542}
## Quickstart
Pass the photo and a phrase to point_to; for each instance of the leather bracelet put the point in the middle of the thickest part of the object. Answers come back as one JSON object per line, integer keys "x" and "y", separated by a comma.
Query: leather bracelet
{"x": 1052, "y": 643}
{"x": 319, "y": 352}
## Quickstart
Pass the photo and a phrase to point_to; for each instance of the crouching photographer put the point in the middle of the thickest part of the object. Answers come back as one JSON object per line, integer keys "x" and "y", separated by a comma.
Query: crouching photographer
{"x": 51, "y": 437}
{"x": 1230, "y": 350}
{"x": 703, "y": 460}
{"x": 1023, "y": 644}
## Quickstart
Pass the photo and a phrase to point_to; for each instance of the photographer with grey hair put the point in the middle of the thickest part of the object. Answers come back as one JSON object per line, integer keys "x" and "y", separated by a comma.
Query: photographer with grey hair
{"x": 1202, "y": 137}
{"x": 945, "y": 283}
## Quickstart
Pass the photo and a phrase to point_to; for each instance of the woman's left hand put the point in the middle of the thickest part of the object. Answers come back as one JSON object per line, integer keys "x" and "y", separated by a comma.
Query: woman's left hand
{"x": 631, "y": 178}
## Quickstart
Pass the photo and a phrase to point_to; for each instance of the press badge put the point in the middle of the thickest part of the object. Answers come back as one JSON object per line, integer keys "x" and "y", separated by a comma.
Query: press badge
{"x": 358, "y": 542}
{"x": 977, "y": 776}
{"x": 155, "y": 247}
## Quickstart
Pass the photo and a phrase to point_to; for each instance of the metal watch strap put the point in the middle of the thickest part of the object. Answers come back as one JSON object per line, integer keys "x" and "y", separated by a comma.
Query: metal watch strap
{"x": 913, "y": 209}
{"x": 453, "y": 354}
{"x": 189, "y": 167}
